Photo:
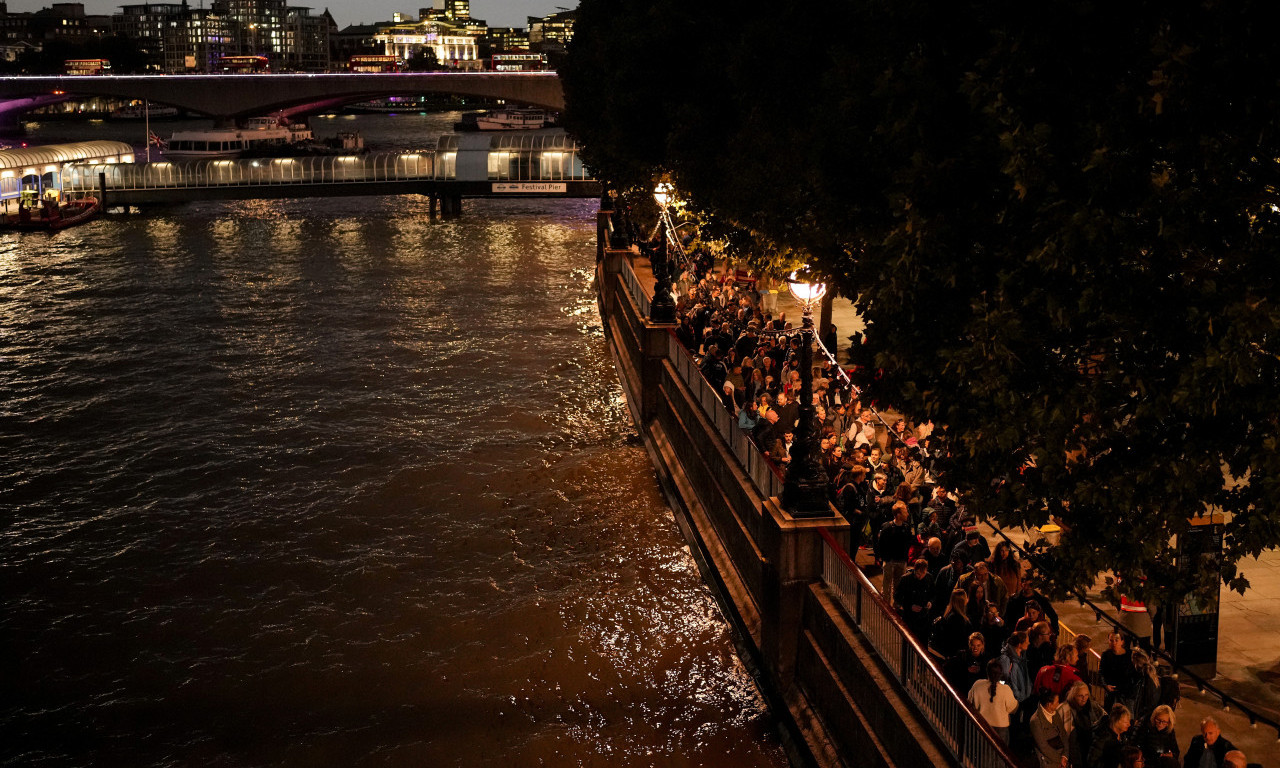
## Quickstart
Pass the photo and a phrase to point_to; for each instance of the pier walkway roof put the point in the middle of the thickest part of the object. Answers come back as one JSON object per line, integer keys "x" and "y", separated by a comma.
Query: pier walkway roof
{"x": 60, "y": 154}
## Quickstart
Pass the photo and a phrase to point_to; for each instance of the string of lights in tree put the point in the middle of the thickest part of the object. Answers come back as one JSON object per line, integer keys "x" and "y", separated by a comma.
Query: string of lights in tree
{"x": 667, "y": 225}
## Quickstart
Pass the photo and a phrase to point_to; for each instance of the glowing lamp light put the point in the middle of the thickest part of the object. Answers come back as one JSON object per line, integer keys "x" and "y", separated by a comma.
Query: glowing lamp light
{"x": 805, "y": 293}
{"x": 663, "y": 194}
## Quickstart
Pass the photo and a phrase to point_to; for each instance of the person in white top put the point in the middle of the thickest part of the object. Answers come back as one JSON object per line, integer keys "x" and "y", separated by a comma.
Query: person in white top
{"x": 993, "y": 699}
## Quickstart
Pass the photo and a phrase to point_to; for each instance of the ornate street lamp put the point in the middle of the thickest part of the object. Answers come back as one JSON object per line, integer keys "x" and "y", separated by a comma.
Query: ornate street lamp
{"x": 804, "y": 490}
{"x": 663, "y": 307}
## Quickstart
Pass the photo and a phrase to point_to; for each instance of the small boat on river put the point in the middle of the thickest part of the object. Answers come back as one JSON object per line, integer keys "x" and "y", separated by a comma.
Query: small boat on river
{"x": 504, "y": 120}
{"x": 262, "y": 135}
{"x": 145, "y": 112}
{"x": 51, "y": 217}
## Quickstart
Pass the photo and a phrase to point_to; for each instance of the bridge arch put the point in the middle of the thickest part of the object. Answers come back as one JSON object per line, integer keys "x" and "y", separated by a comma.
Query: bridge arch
{"x": 228, "y": 97}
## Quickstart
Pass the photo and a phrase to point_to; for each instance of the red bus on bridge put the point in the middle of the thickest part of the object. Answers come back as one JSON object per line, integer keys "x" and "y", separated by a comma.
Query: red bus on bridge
{"x": 243, "y": 65}
{"x": 86, "y": 66}
{"x": 369, "y": 62}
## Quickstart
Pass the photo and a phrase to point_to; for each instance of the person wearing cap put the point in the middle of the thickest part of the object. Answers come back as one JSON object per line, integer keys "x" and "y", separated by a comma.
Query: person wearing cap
{"x": 727, "y": 397}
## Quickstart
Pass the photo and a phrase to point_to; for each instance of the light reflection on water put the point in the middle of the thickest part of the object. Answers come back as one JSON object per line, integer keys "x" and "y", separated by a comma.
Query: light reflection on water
{"x": 323, "y": 482}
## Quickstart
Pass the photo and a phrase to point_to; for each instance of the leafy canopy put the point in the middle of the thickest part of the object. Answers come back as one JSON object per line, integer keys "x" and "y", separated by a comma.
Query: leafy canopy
{"x": 1059, "y": 221}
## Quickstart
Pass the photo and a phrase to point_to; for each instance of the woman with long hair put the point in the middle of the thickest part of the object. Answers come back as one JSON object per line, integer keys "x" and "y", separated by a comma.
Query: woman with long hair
{"x": 951, "y": 630}
{"x": 1146, "y": 691}
{"x": 993, "y": 699}
{"x": 977, "y": 592}
{"x": 1004, "y": 565}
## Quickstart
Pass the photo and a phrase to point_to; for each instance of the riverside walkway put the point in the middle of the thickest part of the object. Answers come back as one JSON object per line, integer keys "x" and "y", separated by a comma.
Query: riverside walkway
{"x": 1249, "y": 649}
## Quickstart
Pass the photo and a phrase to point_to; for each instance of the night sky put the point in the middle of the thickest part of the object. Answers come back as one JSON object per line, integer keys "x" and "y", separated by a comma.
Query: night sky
{"x": 498, "y": 13}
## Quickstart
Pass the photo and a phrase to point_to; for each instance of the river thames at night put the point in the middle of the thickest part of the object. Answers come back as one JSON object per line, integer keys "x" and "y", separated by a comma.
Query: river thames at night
{"x": 324, "y": 482}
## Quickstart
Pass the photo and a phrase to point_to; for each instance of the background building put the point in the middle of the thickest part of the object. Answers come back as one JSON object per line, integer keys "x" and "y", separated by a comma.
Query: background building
{"x": 550, "y": 34}
{"x": 446, "y": 28}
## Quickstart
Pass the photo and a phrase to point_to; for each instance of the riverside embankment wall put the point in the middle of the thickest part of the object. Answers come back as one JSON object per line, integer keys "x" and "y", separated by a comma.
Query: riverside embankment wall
{"x": 840, "y": 706}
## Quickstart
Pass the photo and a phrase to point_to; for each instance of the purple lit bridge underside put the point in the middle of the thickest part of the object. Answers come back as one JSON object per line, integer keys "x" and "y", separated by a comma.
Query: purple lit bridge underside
{"x": 227, "y": 98}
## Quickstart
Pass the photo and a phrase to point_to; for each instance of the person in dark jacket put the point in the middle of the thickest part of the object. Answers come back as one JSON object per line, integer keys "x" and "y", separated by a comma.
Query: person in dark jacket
{"x": 893, "y": 547}
{"x": 944, "y": 582}
{"x": 913, "y": 597}
{"x": 1086, "y": 717}
{"x": 973, "y": 548}
{"x": 969, "y": 666}
{"x": 1210, "y": 745}
{"x": 952, "y": 629}
{"x": 1042, "y": 649}
{"x": 879, "y": 503}
{"x": 934, "y": 556}
{"x": 1157, "y": 738}
{"x": 851, "y": 499}
{"x": 1105, "y": 750}
{"x": 763, "y": 432}
{"x": 1118, "y": 673}
{"x": 713, "y": 368}
{"x": 1017, "y": 605}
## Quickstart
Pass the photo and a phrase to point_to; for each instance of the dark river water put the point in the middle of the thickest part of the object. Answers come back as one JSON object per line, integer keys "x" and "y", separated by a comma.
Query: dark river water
{"x": 327, "y": 483}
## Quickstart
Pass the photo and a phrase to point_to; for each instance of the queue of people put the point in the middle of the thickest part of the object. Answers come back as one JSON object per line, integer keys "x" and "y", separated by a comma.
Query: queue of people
{"x": 978, "y": 610}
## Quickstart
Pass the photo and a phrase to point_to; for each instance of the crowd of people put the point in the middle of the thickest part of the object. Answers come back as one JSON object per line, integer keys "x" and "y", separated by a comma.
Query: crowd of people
{"x": 975, "y": 609}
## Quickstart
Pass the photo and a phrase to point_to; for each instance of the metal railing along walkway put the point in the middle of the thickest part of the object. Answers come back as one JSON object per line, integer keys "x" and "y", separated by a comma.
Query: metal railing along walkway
{"x": 969, "y": 739}
{"x": 966, "y": 735}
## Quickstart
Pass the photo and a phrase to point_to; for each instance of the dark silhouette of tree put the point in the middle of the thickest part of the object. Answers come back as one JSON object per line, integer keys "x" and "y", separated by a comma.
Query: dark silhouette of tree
{"x": 423, "y": 60}
{"x": 1060, "y": 222}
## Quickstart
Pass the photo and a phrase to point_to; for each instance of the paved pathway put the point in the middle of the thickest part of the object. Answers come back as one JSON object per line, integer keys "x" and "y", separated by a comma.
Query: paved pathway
{"x": 1248, "y": 657}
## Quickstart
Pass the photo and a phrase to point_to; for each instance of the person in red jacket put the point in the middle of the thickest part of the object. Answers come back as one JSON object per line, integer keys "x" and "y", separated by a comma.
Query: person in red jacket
{"x": 1059, "y": 675}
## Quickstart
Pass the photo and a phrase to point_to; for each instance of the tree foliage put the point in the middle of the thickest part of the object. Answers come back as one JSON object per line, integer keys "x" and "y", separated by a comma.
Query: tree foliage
{"x": 1059, "y": 220}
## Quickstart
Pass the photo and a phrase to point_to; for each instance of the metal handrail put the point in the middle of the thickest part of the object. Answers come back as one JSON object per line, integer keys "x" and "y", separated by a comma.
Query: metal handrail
{"x": 1202, "y": 684}
{"x": 633, "y": 286}
{"x": 965, "y": 734}
{"x": 771, "y": 483}
{"x": 969, "y": 738}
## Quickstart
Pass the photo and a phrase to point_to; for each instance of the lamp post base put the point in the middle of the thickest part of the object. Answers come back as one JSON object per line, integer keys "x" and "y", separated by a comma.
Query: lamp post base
{"x": 805, "y": 497}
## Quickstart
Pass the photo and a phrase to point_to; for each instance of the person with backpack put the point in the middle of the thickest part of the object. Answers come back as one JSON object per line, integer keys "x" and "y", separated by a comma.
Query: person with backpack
{"x": 851, "y": 500}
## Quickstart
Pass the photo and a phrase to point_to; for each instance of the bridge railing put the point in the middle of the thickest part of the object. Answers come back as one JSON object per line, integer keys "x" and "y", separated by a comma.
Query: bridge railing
{"x": 969, "y": 739}
{"x": 763, "y": 473}
{"x": 962, "y": 732}
{"x": 375, "y": 167}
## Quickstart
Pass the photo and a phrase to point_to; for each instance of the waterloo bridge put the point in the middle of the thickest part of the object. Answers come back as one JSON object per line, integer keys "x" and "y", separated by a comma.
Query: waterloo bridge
{"x": 227, "y": 98}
